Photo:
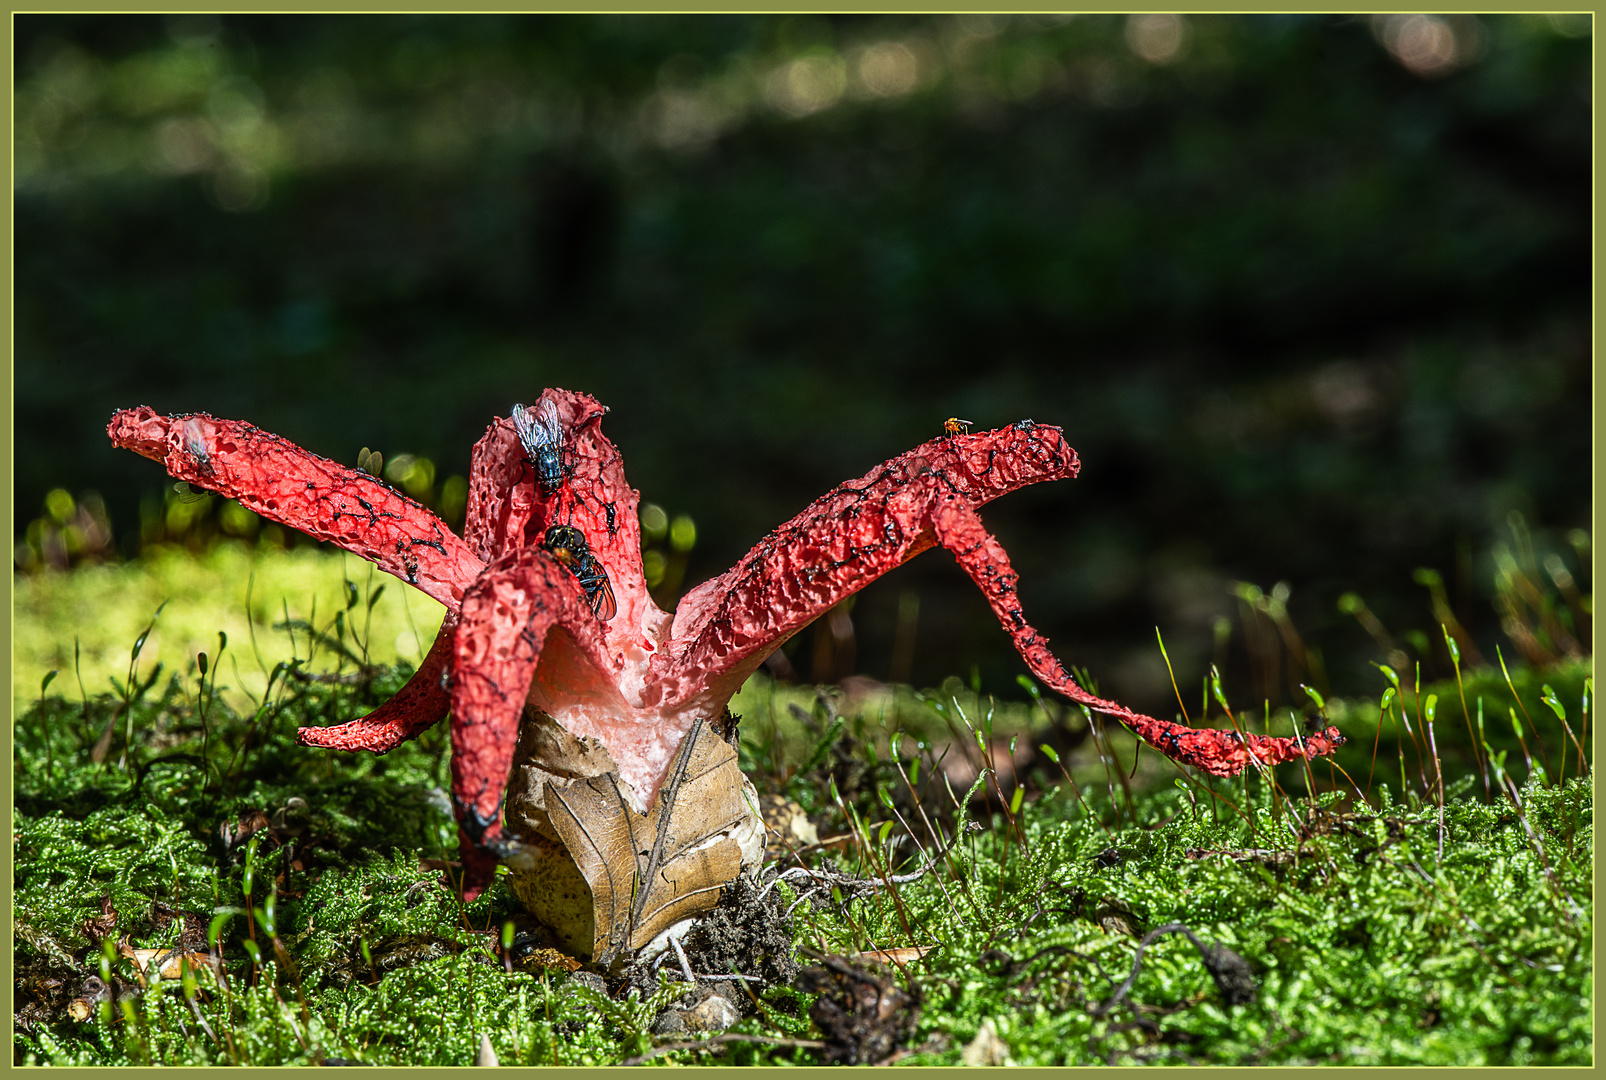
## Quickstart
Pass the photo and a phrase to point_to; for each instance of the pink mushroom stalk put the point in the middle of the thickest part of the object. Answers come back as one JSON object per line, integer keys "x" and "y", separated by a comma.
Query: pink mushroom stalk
{"x": 520, "y": 628}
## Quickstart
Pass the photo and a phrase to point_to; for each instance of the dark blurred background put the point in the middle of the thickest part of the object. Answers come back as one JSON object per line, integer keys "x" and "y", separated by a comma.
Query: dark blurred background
{"x": 1310, "y": 295}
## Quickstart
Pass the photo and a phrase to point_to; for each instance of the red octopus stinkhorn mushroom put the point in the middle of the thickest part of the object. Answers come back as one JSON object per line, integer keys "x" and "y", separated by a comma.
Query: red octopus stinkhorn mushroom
{"x": 526, "y": 625}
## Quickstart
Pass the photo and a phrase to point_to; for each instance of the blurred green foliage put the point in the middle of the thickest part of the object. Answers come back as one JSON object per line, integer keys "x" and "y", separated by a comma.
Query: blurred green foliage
{"x": 1309, "y": 294}
{"x": 82, "y": 624}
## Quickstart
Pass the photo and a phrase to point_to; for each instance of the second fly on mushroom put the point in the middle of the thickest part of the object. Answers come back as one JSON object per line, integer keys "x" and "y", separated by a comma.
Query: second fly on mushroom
{"x": 541, "y": 434}
{"x": 568, "y": 545}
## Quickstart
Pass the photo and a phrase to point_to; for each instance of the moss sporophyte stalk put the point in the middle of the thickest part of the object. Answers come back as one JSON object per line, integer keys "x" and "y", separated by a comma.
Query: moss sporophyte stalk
{"x": 627, "y": 812}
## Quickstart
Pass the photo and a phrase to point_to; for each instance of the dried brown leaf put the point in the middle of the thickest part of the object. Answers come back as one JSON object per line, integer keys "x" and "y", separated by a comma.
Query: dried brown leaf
{"x": 170, "y": 962}
{"x": 649, "y": 871}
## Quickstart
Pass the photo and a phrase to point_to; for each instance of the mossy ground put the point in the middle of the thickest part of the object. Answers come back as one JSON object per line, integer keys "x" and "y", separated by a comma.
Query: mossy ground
{"x": 317, "y": 875}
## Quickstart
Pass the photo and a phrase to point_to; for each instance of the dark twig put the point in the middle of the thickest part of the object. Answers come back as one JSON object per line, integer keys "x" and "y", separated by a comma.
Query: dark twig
{"x": 1008, "y": 967}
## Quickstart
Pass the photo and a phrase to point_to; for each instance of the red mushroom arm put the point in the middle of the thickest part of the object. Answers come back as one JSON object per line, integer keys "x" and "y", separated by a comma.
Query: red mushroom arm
{"x": 865, "y": 528}
{"x": 506, "y": 617}
{"x": 501, "y": 494}
{"x": 506, "y": 509}
{"x": 849, "y": 537}
{"x": 277, "y": 479}
{"x": 1220, "y": 753}
{"x": 415, "y": 708}
{"x": 604, "y": 507}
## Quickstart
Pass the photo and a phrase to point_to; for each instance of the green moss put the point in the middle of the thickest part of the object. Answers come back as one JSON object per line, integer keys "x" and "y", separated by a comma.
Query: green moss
{"x": 1366, "y": 943}
{"x": 1403, "y": 960}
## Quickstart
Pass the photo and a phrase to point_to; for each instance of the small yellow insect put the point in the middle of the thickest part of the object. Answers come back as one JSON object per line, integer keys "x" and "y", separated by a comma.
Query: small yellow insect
{"x": 955, "y": 426}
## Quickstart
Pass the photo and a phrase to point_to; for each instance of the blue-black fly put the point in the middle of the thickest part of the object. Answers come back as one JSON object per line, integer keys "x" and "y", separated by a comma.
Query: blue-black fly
{"x": 568, "y": 545}
{"x": 541, "y": 434}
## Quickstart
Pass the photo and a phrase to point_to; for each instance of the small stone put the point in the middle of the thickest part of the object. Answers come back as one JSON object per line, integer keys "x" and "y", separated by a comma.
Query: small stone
{"x": 713, "y": 1013}
{"x": 591, "y": 980}
{"x": 670, "y": 1022}
{"x": 487, "y": 1055}
{"x": 986, "y": 1048}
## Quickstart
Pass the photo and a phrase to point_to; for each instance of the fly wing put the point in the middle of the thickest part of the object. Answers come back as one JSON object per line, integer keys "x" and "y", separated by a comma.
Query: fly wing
{"x": 539, "y": 427}
{"x": 603, "y": 601}
{"x": 548, "y": 421}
